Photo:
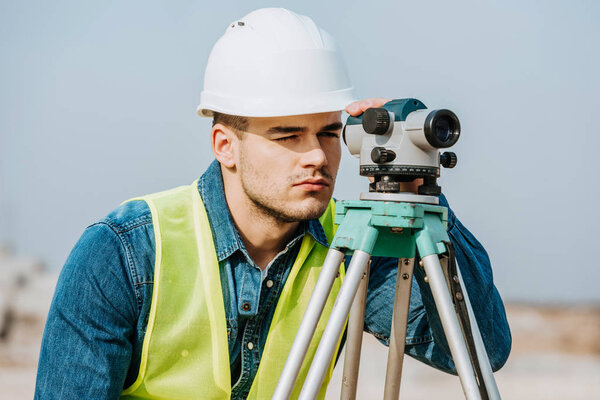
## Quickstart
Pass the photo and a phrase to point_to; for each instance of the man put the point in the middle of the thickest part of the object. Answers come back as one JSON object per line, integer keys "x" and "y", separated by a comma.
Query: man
{"x": 196, "y": 292}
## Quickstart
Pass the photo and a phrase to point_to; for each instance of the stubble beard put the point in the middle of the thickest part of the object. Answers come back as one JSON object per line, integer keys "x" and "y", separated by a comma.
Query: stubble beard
{"x": 266, "y": 201}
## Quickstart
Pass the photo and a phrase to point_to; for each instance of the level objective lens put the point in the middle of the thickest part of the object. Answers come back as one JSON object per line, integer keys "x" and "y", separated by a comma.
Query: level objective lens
{"x": 442, "y": 128}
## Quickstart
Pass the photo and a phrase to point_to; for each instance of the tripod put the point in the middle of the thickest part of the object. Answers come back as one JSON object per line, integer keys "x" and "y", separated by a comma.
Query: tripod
{"x": 404, "y": 226}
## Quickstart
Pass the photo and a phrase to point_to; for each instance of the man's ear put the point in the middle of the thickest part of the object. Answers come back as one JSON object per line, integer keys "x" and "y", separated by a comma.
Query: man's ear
{"x": 224, "y": 144}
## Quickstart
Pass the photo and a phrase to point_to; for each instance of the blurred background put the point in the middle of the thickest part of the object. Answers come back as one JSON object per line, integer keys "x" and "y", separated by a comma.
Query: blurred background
{"x": 97, "y": 105}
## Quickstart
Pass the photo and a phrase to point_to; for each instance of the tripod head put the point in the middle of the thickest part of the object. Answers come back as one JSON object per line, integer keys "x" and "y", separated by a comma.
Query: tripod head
{"x": 401, "y": 142}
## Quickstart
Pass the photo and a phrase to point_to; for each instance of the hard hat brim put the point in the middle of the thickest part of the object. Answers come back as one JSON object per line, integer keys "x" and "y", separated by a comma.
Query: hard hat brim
{"x": 270, "y": 107}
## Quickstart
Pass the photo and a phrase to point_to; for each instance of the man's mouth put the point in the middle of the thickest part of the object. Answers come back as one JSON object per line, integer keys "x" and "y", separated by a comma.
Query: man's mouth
{"x": 312, "y": 184}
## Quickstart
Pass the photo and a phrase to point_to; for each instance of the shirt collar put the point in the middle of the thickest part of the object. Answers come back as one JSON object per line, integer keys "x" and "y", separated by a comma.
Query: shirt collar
{"x": 225, "y": 234}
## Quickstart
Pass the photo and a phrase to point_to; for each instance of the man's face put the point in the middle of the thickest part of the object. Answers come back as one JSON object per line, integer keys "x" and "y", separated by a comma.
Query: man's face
{"x": 287, "y": 165}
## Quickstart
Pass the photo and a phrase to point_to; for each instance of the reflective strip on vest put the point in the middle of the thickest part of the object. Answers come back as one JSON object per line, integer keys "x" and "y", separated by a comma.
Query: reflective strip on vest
{"x": 185, "y": 352}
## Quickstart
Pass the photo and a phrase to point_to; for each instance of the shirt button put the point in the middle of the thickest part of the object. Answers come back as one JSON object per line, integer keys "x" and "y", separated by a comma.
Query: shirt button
{"x": 246, "y": 307}
{"x": 250, "y": 346}
{"x": 269, "y": 283}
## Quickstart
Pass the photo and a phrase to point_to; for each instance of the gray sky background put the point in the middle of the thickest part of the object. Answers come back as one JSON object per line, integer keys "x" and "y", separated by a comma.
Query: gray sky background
{"x": 98, "y": 100}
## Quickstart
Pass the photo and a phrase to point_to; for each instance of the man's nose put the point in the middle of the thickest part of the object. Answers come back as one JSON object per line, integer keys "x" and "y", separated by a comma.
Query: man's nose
{"x": 314, "y": 155}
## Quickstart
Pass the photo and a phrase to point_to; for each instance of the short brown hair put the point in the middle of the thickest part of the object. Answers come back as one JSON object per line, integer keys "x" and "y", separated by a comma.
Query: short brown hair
{"x": 235, "y": 122}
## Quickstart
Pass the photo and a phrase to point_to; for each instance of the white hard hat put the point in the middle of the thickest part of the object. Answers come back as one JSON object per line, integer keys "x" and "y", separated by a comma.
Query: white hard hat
{"x": 274, "y": 62}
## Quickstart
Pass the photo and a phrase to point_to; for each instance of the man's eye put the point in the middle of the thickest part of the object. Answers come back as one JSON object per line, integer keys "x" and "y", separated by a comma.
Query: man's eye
{"x": 329, "y": 134}
{"x": 286, "y": 138}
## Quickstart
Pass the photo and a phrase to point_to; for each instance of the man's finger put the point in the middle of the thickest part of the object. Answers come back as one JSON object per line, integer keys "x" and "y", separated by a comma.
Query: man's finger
{"x": 358, "y": 107}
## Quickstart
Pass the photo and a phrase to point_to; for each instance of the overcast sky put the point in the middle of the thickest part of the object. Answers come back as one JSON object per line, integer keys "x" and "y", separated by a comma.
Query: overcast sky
{"x": 98, "y": 100}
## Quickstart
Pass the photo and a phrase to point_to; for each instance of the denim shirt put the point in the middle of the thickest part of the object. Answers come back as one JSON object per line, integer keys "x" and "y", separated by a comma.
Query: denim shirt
{"x": 92, "y": 343}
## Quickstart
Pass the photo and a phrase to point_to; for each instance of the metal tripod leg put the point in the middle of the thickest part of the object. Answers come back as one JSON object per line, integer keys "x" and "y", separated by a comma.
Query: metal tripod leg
{"x": 484, "y": 362}
{"x": 356, "y": 323}
{"x": 308, "y": 325}
{"x": 454, "y": 336}
{"x": 337, "y": 320}
{"x": 393, "y": 374}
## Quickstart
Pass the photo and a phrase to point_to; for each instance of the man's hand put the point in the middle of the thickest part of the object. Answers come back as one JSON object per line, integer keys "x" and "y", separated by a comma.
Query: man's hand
{"x": 358, "y": 107}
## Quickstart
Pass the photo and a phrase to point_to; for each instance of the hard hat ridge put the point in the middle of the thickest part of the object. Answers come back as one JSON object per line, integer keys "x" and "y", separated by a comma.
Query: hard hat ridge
{"x": 284, "y": 28}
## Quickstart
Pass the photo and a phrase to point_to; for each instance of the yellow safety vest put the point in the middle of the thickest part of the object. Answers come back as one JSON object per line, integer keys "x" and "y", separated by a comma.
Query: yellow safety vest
{"x": 185, "y": 353}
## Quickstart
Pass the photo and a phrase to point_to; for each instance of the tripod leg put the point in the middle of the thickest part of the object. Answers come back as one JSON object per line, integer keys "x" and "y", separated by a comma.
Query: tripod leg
{"x": 454, "y": 336}
{"x": 335, "y": 325}
{"x": 471, "y": 333}
{"x": 484, "y": 362}
{"x": 311, "y": 317}
{"x": 356, "y": 323}
{"x": 393, "y": 374}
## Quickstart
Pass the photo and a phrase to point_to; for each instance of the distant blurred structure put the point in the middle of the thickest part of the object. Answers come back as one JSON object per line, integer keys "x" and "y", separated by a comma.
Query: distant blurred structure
{"x": 26, "y": 287}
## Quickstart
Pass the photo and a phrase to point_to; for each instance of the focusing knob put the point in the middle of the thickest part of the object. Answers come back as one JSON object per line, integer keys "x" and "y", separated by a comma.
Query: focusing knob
{"x": 381, "y": 155}
{"x": 376, "y": 121}
{"x": 448, "y": 159}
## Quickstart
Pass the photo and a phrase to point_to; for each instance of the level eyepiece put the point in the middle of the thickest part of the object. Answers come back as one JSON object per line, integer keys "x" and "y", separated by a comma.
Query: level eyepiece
{"x": 441, "y": 128}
